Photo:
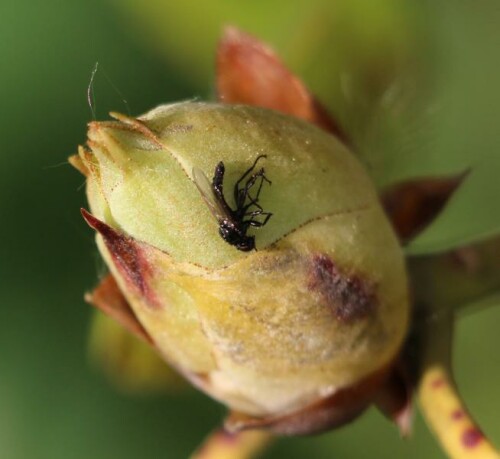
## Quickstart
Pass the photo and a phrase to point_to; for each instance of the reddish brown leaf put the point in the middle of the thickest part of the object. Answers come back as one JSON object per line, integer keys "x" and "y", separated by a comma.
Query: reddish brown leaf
{"x": 109, "y": 299}
{"x": 249, "y": 72}
{"x": 413, "y": 205}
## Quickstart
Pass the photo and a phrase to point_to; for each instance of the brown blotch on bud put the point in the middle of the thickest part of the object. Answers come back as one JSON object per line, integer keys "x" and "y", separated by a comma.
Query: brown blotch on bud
{"x": 126, "y": 255}
{"x": 350, "y": 297}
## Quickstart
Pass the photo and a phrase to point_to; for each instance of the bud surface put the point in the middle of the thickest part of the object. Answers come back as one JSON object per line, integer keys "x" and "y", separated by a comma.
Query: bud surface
{"x": 321, "y": 305}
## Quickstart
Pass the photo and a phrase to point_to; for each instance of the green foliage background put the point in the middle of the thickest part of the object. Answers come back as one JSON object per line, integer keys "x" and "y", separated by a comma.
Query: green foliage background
{"x": 53, "y": 404}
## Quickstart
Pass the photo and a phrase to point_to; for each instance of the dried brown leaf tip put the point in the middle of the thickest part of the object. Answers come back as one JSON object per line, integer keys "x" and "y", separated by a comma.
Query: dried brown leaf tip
{"x": 128, "y": 256}
{"x": 414, "y": 204}
{"x": 249, "y": 72}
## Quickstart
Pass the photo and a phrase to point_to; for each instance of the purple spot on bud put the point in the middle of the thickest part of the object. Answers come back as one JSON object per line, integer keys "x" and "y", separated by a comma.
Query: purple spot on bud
{"x": 457, "y": 415}
{"x": 350, "y": 297}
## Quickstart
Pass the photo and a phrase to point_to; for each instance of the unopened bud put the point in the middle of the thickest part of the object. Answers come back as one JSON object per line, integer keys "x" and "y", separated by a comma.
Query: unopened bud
{"x": 319, "y": 307}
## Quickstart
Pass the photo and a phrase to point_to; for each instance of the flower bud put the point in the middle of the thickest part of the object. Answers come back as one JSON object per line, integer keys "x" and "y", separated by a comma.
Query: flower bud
{"x": 319, "y": 308}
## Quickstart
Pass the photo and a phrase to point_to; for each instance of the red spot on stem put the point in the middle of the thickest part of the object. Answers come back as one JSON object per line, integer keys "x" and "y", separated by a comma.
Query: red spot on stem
{"x": 226, "y": 437}
{"x": 437, "y": 383}
{"x": 457, "y": 415}
{"x": 472, "y": 437}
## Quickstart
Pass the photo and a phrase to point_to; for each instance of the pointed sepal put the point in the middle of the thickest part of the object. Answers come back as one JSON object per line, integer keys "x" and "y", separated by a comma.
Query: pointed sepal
{"x": 249, "y": 72}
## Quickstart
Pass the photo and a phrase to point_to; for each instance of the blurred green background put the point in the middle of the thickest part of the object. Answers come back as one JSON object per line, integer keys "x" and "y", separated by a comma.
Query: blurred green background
{"x": 416, "y": 85}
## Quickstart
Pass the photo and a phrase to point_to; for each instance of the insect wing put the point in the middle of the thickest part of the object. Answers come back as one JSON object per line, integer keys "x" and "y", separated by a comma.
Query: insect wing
{"x": 207, "y": 192}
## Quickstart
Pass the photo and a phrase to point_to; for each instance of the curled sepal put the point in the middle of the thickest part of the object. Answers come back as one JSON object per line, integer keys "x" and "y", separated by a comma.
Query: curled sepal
{"x": 249, "y": 72}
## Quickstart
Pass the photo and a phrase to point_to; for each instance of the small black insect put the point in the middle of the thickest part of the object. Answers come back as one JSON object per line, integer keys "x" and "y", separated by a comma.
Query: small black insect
{"x": 234, "y": 224}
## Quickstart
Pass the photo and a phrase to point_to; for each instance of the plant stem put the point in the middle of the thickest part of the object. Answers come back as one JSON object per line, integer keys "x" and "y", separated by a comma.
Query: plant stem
{"x": 440, "y": 402}
{"x": 243, "y": 445}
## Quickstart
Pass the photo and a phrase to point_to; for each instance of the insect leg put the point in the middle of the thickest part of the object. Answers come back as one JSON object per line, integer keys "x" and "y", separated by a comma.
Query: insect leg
{"x": 255, "y": 213}
{"x": 262, "y": 179}
{"x": 250, "y": 169}
{"x": 258, "y": 224}
{"x": 244, "y": 193}
{"x": 252, "y": 202}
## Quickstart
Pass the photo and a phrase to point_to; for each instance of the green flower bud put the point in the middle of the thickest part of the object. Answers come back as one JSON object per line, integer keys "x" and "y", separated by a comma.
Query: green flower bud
{"x": 320, "y": 307}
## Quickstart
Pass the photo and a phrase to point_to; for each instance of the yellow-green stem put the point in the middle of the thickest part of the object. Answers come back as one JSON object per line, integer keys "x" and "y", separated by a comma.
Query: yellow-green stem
{"x": 243, "y": 445}
{"x": 441, "y": 404}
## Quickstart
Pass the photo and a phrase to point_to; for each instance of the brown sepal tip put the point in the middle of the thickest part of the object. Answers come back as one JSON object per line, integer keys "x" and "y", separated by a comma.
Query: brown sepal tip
{"x": 249, "y": 72}
{"x": 414, "y": 204}
{"x": 128, "y": 256}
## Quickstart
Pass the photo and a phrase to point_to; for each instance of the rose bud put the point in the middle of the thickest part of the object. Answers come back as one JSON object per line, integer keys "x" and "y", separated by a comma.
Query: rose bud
{"x": 252, "y": 249}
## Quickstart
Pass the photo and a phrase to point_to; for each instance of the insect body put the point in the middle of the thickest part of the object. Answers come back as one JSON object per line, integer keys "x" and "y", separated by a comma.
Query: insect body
{"x": 234, "y": 224}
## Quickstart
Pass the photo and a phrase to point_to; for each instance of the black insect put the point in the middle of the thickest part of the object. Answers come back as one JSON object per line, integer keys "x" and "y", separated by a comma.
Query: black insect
{"x": 234, "y": 224}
